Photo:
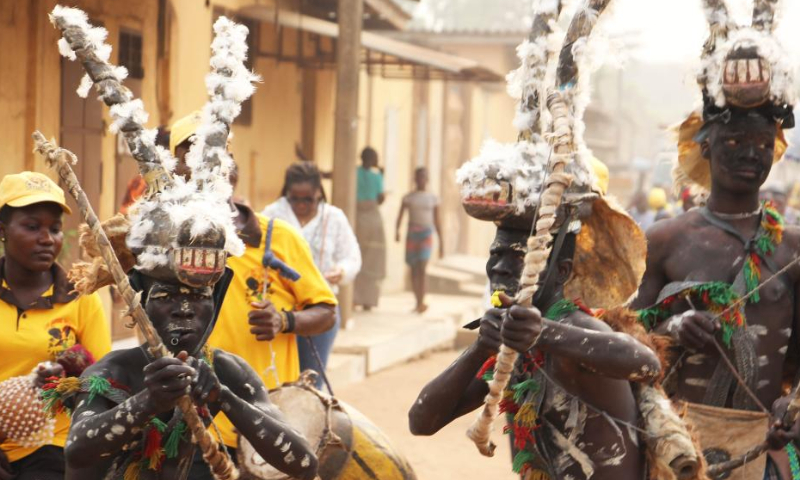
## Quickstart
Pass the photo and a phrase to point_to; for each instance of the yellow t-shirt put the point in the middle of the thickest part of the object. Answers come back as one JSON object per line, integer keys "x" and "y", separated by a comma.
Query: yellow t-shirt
{"x": 38, "y": 334}
{"x": 232, "y": 331}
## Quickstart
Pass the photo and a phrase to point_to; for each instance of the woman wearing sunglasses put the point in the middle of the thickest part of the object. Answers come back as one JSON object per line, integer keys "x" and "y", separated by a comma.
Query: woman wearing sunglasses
{"x": 303, "y": 204}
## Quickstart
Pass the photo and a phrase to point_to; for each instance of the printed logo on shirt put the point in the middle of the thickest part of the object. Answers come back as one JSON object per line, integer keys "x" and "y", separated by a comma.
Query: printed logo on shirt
{"x": 62, "y": 336}
{"x": 255, "y": 285}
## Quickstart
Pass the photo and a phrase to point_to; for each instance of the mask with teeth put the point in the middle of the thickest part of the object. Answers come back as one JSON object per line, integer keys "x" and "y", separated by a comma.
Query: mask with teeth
{"x": 194, "y": 260}
{"x": 746, "y": 78}
{"x": 745, "y": 69}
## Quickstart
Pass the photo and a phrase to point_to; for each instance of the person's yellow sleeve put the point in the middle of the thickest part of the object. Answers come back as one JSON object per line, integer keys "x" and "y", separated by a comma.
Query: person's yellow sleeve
{"x": 311, "y": 289}
{"x": 94, "y": 333}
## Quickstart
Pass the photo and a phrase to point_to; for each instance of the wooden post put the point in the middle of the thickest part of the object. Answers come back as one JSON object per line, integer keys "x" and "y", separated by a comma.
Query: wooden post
{"x": 345, "y": 144}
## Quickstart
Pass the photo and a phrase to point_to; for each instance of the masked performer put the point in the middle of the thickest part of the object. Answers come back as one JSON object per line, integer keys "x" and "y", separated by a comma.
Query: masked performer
{"x": 265, "y": 309}
{"x": 43, "y": 320}
{"x": 572, "y": 404}
{"x": 177, "y": 237}
{"x": 706, "y": 283}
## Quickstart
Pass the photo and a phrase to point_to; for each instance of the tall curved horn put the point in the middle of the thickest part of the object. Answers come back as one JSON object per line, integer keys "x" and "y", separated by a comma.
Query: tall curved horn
{"x": 83, "y": 42}
{"x": 229, "y": 84}
{"x": 580, "y": 28}
{"x": 559, "y": 102}
{"x": 534, "y": 68}
{"x": 764, "y": 14}
{"x": 719, "y": 23}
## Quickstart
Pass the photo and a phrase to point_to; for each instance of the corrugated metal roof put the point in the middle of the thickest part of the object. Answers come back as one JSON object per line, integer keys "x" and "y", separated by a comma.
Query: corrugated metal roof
{"x": 470, "y": 16}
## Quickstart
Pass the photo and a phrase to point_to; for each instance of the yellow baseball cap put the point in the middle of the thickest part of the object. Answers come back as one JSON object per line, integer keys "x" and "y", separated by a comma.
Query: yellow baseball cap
{"x": 657, "y": 199}
{"x": 27, "y": 188}
{"x": 183, "y": 129}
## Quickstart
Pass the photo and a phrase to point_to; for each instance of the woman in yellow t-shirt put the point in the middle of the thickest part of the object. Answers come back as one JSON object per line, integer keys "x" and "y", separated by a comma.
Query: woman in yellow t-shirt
{"x": 43, "y": 325}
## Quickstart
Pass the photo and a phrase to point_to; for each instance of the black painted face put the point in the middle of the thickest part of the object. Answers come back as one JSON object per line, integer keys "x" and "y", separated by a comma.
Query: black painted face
{"x": 741, "y": 152}
{"x": 506, "y": 259}
{"x": 181, "y": 314}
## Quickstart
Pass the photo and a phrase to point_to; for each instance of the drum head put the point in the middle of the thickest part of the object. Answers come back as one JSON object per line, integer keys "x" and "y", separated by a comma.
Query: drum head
{"x": 305, "y": 412}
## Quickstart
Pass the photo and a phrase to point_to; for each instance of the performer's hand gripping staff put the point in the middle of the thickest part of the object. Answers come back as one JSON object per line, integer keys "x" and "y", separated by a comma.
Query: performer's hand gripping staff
{"x": 60, "y": 159}
{"x": 559, "y": 103}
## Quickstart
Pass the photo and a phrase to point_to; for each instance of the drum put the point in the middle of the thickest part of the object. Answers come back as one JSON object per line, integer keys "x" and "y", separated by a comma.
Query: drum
{"x": 22, "y": 416}
{"x": 348, "y": 445}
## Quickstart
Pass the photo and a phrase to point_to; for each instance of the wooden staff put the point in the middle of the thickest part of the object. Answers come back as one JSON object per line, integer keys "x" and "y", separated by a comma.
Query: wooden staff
{"x": 60, "y": 159}
{"x": 539, "y": 244}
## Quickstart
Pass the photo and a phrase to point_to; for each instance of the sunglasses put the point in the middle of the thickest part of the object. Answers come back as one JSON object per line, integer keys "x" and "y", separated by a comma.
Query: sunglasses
{"x": 305, "y": 200}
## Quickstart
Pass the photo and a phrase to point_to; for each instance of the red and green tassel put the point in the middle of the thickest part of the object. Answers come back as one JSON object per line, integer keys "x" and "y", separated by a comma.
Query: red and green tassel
{"x": 772, "y": 226}
{"x": 153, "y": 454}
{"x": 718, "y": 297}
{"x": 97, "y": 385}
{"x": 487, "y": 370}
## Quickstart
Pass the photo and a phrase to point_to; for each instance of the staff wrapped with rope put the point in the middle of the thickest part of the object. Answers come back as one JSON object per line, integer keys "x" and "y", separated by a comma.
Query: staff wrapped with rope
{"x": 60, "y": 160}
{"x": 85, "y": 43}
{"x": 555, "y": 185}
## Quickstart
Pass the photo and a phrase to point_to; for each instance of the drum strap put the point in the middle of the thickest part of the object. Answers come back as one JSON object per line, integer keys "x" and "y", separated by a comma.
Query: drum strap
{"x": 318, "y": 359}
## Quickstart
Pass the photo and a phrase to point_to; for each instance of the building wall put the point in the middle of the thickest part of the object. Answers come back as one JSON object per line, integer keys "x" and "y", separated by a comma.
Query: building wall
{"x": 456, "y": 116}
{"x": 475, "y": 113}
{"x": 30, "y": 87}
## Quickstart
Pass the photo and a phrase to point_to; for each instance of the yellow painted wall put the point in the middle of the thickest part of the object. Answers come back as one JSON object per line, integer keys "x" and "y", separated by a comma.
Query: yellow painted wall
{"x": 491, "y": 116}
{"x": 14, "y": 141}
{"x": 30, "y": 82}
{"x": 265, "y": 147}
{"x": 390, "y": 96}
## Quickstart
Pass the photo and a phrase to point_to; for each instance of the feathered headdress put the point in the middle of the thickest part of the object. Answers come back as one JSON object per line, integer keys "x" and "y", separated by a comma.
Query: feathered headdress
{"x": 744, "y": 68}
{"x": 180, "y": 228}
{"x": 505, "y": 183}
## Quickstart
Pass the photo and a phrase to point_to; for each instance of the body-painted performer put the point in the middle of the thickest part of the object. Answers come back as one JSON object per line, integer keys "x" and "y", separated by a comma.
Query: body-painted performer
{"x": 133, "y": 409}
{"x": 589, "y": 405}
{"x": 573, "y": 405}
{"x": 264, "y": 311}
{"x": 721, "y": 279}
{"x": 43, "y": 323}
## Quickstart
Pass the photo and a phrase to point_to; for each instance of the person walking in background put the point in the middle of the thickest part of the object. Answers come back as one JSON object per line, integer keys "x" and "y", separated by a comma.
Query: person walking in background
{"x": 423, "y": 218}
{"x": 333, "y": 245}
{"x": 369, "y": 231}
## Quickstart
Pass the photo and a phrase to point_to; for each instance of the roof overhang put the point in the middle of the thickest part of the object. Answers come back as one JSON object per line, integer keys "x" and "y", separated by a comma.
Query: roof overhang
{"x": 387, "y": 56}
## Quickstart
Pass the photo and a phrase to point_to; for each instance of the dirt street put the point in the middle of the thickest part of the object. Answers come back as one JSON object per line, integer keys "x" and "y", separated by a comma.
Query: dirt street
{"x": 386, "y": 397}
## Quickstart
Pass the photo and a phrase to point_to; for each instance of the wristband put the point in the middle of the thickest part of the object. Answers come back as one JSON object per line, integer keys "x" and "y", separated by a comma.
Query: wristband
{"x": 291, "y": 321}
{"x": 284, "y": 323}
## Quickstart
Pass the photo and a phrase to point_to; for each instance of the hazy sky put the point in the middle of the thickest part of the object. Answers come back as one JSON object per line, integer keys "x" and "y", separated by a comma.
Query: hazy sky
{"x": 674, "y": 30}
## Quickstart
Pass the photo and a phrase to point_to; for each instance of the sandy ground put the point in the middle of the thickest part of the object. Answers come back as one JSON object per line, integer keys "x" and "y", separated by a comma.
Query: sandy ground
{"x": 385, "y": 399}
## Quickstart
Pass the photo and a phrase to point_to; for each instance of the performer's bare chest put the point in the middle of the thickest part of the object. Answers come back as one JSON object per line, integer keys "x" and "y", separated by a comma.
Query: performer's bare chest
{"x": 709, "y": 255}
